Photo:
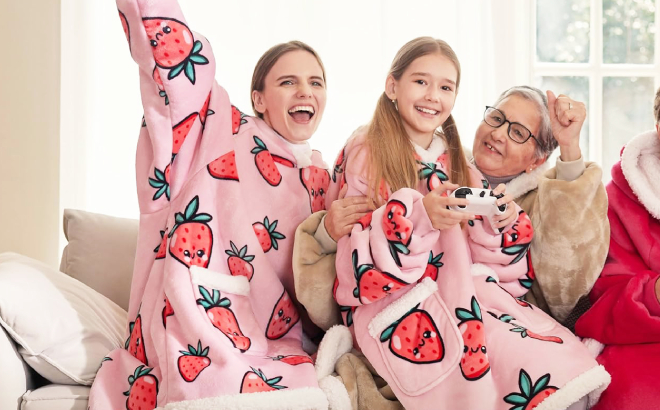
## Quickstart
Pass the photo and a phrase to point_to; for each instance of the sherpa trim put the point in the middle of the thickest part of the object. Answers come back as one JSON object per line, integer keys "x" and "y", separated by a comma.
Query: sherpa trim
{"x": 526, "y": 182}
{"x": 336, "y": 342}
{"x": 479, "y": 269}
{"x": 594, "y": 346}
{"x": 336, "y": 393}
{"x": 434, "y": 150}
{"x": 401, "y": 306}
{"x": 237, "y": 285}
{"x": 640, "y": 164}
{"x": 286, "y": 399}
{"x": 583, "y": 385}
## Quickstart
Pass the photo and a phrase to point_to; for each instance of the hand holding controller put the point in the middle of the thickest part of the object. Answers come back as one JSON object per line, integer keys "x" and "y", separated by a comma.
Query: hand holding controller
{"x": 482, "y": 202}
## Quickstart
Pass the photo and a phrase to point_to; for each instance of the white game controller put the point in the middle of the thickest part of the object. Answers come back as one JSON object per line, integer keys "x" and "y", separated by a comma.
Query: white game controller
{"x": 482, "y": 202}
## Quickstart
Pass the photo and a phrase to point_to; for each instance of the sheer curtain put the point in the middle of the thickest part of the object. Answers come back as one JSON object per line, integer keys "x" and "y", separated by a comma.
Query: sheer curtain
{"x": 101, "y": 111}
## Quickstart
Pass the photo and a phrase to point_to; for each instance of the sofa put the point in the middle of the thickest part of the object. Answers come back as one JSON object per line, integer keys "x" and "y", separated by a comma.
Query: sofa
{"x": 56, "y": 326}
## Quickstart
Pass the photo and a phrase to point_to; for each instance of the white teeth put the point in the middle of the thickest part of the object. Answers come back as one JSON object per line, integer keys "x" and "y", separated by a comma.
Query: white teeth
{"x": 297, "y": 108}
{"x": 490, "y": 147}
{"x": 426, "y": 110}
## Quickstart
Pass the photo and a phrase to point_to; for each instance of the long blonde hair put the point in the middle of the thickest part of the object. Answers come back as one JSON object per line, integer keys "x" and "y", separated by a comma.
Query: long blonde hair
{"x": 391, "y": 153}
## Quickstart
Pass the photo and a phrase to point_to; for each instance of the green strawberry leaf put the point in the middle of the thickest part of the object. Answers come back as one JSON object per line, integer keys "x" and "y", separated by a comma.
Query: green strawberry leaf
{"x": 176, "y": 71}
{"x": 160, "y": 192}
{"x": 515, "y": 398}
{"x": 401, "y": 248}
{"x": 274, "y": 380}
{"x": 514, "y": 249}
{"x": 197, "y": 47}
{"x": 491, "y": 279}
{"x": 225, "y": 303}
{"x": 464, "y": 314}
{"x": 192, "y": 207}
{"x": 356, "y": 294}
{"x": 248, "y": 258}
{"x": 525, "y": 383}
{"x": 155, "y": 183}
{"x": 518, "y": 258}
{"x": 387, "y": 333}
{"x": 202, "y": 218}
{"x": 190, "y": 71}
{"x": 159, "y": 174}
{"x": 199, "y": 59}
{"x": 475, "y": 308}
{"x": 526, "y": 283}
{"x": 541, "y": 384}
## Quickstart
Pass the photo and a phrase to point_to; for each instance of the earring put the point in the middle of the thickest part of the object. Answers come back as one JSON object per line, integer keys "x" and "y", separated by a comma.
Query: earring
{"x": 396, "y": 105}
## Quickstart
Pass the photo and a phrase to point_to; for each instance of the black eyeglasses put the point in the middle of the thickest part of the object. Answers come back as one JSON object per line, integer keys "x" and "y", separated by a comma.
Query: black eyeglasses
{"x": 517, "y": 132}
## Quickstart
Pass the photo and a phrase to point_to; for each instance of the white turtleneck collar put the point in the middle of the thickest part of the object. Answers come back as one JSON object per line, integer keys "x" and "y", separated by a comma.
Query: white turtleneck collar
{"x": 434, "y": 150}
{"x": 302, "y": 152}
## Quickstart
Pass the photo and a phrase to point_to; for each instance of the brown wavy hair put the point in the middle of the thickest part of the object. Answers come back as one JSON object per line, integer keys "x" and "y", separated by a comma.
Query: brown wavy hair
{"x": 391, "y": 152}
{"x": 268, "y": 60}
{"x": 656, "y": 107}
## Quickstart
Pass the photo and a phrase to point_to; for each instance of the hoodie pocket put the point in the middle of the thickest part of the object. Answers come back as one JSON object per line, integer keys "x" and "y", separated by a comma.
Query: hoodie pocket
{"x": 225, "y": 299}
{"x": 416, "y": 339}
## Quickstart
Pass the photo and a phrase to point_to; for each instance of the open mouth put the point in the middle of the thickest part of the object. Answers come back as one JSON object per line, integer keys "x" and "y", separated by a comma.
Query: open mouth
{"x": 302, "y": 113}
{"x": 490, "y": 147}
{"x": 427, "y": 110}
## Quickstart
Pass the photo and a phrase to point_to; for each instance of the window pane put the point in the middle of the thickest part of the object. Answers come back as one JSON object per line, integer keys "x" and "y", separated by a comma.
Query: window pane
{"x": 628, "y": 31}
{"x": 562, "y": 31}
{"x": 578, "y": 89}
{"x": 627, "y": 111}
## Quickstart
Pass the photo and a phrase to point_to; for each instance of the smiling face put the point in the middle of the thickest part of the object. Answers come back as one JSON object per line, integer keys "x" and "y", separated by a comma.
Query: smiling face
{"x": 293, "y": 98}
{"x": 425, "y": 95}
{"x": 495, "y": 154}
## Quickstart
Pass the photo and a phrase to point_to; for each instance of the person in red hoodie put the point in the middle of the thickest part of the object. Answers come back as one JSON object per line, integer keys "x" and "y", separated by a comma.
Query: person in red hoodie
{"x": 625, "y": 316}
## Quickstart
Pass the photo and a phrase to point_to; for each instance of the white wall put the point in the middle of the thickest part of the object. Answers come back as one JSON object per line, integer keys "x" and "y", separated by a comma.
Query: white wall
{"x": 29, "y": 128}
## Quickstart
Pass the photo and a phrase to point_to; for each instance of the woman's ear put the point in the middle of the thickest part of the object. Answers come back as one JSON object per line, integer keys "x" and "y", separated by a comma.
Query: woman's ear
{"x": 258, "y": 101}
{"x": 390, "y": 87}
{"x": 535, "y": 164}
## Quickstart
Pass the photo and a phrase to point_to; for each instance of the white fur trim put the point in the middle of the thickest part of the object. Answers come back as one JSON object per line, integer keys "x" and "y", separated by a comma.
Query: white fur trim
{"x": 237, "y": 285}
{"x": 640, "y": 163}
{"x": 586, "y": 383}
{"x": 594, "y": 346}
{"x": 479, "y": 269}
{"x": 301, "y": 152}
{"x": 336, "y": 393}
{"x": 434, "y": 150}
{"x": 526, "y": 182}
{"x": 285, "y": 399}
{"x": 336, "y": 342}
{"x": 395, "y": 310}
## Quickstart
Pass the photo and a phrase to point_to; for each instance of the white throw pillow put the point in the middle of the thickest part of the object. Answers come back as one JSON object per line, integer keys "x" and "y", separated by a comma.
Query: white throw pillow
{"x": 63, "y": 328}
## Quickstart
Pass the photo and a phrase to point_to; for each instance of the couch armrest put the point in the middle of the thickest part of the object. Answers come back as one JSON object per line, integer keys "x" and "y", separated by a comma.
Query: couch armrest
{"x": 16, "y": 377}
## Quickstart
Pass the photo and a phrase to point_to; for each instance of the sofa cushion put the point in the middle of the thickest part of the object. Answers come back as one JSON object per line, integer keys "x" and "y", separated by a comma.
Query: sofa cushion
{"x": 100, "y": 252}
{"x": 56, "y": 397}
{"x": 63, "y": 328}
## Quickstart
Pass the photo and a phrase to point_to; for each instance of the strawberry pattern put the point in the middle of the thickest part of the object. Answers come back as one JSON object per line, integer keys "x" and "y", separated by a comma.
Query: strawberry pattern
{"x": 191, "y": 240}
{"x": 223, "y": 318}
{"x": 415, "y": 338}
{"x": 193, "y": 361}
{"x": 531, "y": 394}
{"x": 161, "y": 182}
{"x": 143, "y": 391}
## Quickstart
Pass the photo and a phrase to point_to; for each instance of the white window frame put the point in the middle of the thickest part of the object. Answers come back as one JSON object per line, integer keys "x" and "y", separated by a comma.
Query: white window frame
{"x": 595, "y": 70}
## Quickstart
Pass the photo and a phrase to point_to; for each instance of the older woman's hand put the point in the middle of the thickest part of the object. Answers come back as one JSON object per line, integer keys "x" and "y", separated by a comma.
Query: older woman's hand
{"x": 510, "y": 214}
{"x": 436, "y": 207}
{"x": 567, "y": 117}
{"x": 344, "y": 213}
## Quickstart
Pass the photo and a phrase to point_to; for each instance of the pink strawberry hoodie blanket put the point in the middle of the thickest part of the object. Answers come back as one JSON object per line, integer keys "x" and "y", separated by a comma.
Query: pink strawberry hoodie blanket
{"x": 438, "y": 314}
{"x": 213, "y": 320}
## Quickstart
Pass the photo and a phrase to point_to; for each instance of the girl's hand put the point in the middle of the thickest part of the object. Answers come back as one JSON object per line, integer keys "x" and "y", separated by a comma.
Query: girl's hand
{"x": 344, "y": 213}
{"x": 510, "y": 215}
{"x": 436, "y": 203}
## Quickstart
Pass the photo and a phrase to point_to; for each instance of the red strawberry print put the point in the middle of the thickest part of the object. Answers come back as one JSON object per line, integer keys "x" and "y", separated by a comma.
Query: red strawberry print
{"x": 267, "y": 235}
{"x": 237, "y": 119}
{"x": 143, "y": 390}
{"x": 255, "y": 381}
{"x": 516, "y": 240}
{"x": 398, "y": 229}
{"x": 192, "y": 239}
{"x": 239, "y": 261}
{"x": 283, "y": 161}
{"x": 265, "y": 164}
{"x": 159, "y": 84}
{"x": 161, "y": 249}
{"x": 180, "y": 132}
{"x": 293, "y": 360}
{"x": 316, "y": 181}
{"x": 365, "y": 221}
{"x": 443, "y": 159}
{"x": 223, "y": 318}
{"x": 529, "y": 276}
{"x": 224, "y": 167}
{"x": 124, "y": 26}
{"x": 339, "y": 165}
{"x": 415, "y": 338}
{"x": 530, "y": 394}
{"x": 135, "y": 342}
{"x": 193, "y": 361}
{"x": 373, "y": 284}
{"x": 432, "y": 174}
{"x": 528, "y": 333}
{"x": 474, "y": 364}
{"x": 205, "y": 111}
{"x": 174, "y": 46}
{"x": 167, "y": 311}
{"x": 161, "y": 182}
{"x": 432, "y": 267}
{"x": 284, "y": 317}
{"x": 383, "y": 190}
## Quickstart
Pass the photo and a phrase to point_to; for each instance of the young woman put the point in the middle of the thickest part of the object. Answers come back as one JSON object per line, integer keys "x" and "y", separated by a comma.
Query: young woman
{"x": 437, "y": 317}
{"x": 212, "y": 305}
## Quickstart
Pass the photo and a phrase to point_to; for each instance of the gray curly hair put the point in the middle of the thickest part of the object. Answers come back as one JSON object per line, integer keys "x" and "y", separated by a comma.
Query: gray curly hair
{"x": 546, "y": 140}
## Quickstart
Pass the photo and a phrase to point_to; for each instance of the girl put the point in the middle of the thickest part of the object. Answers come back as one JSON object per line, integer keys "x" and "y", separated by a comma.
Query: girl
{"x": 439, "y": 319}
{"x": 212, "y": 303}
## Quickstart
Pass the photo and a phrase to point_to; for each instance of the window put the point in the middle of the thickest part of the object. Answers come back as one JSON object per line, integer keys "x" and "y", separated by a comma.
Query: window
{"x": 607, "y": 54}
